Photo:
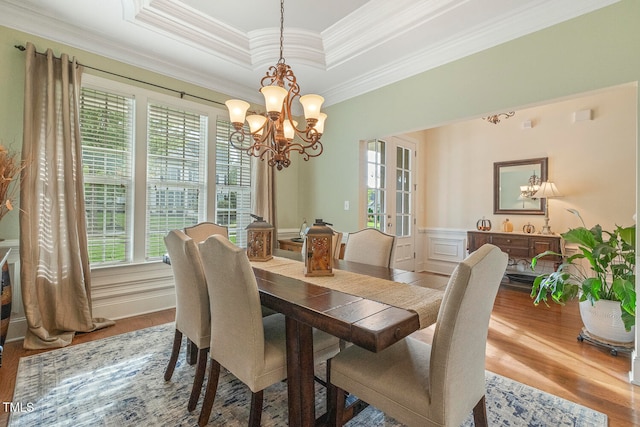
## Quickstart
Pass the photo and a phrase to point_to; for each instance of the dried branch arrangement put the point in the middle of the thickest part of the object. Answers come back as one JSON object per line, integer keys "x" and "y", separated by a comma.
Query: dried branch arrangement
{"x": 10, "y": 169}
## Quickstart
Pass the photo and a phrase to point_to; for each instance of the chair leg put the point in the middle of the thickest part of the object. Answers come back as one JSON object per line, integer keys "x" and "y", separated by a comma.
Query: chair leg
{"x": 256, "y": 409}
{"x": 335, "y": 401}
{"x": 329, "y": 391}
{"x": 192, "y": 352}
{"x": 210, "y": 393}
{"x": 175, "y": 351}
{"x": 198, "y": 379}
{"x": 480, "y": 413}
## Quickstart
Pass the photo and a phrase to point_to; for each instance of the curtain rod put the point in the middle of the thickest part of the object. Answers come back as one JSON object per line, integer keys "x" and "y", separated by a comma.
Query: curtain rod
{"x": 181, "y": 93}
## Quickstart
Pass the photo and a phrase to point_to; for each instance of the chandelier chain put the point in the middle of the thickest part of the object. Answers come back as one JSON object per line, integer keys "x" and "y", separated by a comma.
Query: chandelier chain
{"x": 281, "y": 31}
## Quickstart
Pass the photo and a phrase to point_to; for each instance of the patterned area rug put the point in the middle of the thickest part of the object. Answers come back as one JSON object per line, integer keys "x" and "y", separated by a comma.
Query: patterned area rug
{"x": 118, "y": 381}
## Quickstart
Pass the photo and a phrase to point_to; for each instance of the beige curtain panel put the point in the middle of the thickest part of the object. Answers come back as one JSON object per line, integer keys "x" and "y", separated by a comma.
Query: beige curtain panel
{"x": 55, "y": 276}
{"x": 263, "y": 194}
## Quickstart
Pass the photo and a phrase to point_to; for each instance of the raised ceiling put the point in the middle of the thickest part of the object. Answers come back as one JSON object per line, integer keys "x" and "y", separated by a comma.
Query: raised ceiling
{"x": 337, "y": 48}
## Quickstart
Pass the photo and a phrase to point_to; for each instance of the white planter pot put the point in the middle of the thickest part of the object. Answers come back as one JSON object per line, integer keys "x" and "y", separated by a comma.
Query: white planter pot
{"x": 603, "y": 319}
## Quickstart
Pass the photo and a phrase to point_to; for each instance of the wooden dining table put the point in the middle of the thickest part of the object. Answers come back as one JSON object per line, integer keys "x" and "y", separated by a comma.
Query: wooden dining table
{"x": 363, "y": 321}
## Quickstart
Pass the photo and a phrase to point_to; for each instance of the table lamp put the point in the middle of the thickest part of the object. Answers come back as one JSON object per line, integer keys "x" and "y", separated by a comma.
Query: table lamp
{"x": 547, "y": 190}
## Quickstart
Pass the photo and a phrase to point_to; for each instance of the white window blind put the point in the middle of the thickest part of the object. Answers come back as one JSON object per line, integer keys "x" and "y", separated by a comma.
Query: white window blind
{"x": 145, "y": 160}
{"x": 106, "y": 123}
{"x": 176, "y": 159}
{"x": 233, "y": 185}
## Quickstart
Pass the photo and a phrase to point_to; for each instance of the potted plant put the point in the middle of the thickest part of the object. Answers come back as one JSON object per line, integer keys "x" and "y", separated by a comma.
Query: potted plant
{"x": 609, "y": 279}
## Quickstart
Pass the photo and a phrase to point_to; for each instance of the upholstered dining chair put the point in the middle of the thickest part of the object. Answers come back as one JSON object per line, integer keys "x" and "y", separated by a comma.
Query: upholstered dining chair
{"x": 430, "y": 385}
{"x": 202, "y": 230}
{"x": 248, "y": 345}
{"x": 192, "y": 307}
{"x": 370, "y": 246}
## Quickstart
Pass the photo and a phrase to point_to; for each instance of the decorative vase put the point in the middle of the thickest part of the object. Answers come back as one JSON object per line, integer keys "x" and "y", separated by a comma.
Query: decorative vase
{"x": 603, "y": 320}
{"x": 6, "y": 307}
{"x": 483, "y": 224}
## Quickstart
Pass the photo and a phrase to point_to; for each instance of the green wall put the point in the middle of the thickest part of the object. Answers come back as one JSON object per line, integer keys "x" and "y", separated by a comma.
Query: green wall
{"x": 597, "y": 50}
{"x": 594, "y": 51}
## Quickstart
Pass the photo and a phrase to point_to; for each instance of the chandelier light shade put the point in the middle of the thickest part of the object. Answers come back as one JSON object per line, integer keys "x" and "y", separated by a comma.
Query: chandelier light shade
{"x": 532, "y": 187}
{"x": 273, "y": 135}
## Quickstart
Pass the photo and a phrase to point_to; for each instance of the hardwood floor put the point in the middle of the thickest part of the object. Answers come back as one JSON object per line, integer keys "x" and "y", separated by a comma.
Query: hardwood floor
{"x": 534, "y": 345}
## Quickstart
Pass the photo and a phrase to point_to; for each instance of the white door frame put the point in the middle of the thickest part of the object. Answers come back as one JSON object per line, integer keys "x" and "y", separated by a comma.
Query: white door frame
{"x": 404, "y": 253}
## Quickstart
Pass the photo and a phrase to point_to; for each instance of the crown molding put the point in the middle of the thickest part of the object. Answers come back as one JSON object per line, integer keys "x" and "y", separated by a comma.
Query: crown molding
{"x": 376, "y": 23}
{"x": 533, "y": 16}
{"x": 300, "y": 47}
{"x": 353, "y": 38}
{"x": 24, "y": 19}
{"x": 252, "y": 50}
{"x": 181, "y": 23}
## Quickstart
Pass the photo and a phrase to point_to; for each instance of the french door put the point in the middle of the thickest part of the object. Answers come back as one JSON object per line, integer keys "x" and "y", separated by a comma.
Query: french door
{"x": 391, "y": 194}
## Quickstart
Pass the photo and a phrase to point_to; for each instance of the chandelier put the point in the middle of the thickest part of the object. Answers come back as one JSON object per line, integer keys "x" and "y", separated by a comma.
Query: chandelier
{"x": 532, "y": 187}
{"x": 495, "y": 119}
{"x": 274, "y": 135}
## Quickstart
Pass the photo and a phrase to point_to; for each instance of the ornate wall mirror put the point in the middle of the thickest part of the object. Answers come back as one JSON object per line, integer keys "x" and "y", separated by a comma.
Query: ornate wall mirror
{"x": 514, "y": 183}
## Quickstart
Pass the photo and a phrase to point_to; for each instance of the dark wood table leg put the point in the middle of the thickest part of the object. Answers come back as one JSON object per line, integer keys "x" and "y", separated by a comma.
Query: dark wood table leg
{"x": 300, "y": 373}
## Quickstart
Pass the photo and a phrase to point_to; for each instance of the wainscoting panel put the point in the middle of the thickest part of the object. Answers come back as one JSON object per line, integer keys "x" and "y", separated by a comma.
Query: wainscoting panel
{"x": 116, "y": 292}
{"x": 443, "y": 249}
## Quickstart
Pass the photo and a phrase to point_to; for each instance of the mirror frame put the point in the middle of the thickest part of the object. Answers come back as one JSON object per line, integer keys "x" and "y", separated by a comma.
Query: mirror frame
{"x": 497, "y": 168}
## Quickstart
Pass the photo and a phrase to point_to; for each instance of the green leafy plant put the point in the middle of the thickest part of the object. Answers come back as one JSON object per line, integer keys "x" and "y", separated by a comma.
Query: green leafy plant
{"x": 611, "y": 274}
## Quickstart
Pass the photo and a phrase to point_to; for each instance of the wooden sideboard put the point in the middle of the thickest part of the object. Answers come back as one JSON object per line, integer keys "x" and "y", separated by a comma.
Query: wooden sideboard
{"x": 290, "y": 245}
{"x": 516, "y": 245}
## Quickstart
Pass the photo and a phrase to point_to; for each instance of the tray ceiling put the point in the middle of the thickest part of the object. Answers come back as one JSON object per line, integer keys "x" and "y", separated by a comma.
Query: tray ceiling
{"x": 338, "y": 49}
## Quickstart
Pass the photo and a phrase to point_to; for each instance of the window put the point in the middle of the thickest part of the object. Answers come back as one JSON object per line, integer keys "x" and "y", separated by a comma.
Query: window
{"x": 233, "y": 185}
{"x": 404, "y": 212}
{"x": 376, "y": 184}
{"x": 176, "y": 154}
{"x": 107, "y": 145}
{"x": 146, "y": 160}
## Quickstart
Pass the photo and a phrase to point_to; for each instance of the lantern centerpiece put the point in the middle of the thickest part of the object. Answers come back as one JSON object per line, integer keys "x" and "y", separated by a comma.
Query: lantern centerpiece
{"x": 259, "y": 239}
{"x": 318, "y": 257}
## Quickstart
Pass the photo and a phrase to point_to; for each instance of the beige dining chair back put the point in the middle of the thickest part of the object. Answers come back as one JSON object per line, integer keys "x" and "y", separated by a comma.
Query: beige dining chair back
{"x": 370, "y": 246}
{"x": 431, "y": 385}
{"x": 249, "y": 346}
{"x": 202, "y": 230}
{"x": 192, "y": 306}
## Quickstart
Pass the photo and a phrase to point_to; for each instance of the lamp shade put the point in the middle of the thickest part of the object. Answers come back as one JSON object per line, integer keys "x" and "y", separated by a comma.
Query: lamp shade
{"x": 311, "y": 104}
{"x": 547, "y": 190}
{"x": 273, "y": 98}
{"x": 320, "y": 125}
{"x": 256, "y": 123}
{"x": 288, "y": 129}
{"x": 237, "y": 110}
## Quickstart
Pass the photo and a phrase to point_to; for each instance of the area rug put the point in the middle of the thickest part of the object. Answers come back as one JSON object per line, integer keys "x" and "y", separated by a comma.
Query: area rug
{"x": 118, "y": 381}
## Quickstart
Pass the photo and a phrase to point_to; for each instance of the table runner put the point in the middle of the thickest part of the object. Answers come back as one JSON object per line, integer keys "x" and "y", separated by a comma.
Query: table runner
{"x": 423, "y": 301}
